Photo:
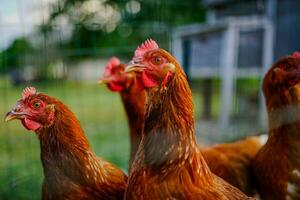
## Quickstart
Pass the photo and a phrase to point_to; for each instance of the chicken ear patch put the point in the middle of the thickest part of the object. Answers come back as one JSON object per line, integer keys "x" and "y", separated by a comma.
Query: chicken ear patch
{"x": 28, "y": 91}
{"x": 148, "y": 45}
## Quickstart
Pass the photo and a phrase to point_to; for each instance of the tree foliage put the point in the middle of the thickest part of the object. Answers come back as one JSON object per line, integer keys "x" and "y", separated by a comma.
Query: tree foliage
{"x": 101, "y": 28}
{"x": 136, "y": 20}
{"x": 14, "y": 55}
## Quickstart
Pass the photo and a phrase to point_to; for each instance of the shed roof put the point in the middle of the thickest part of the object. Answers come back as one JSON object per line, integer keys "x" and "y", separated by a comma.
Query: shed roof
{"x": 215, "y": 3}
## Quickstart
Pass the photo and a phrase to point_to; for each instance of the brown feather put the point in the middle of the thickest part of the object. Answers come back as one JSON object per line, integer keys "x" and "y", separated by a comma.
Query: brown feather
{"x": 232, "y": 162}
{"x": 133, "y": 99}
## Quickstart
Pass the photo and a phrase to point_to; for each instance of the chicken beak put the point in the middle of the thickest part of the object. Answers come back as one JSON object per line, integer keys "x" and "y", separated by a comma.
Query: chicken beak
{"x": 11, "y": 115}
{"x": 170, "y": 67}
{"x": 134, "y": 68}
{"x": 103, "y": 81}
{"x": 16, "y": 113}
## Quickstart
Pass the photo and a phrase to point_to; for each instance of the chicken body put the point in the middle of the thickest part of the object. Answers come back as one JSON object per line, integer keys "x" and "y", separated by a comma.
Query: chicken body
{"x": 71, "y": 169}
{"x": 232, "y": 162}
{"x": 168, "y": 164}
{"x": 276, "y": 167}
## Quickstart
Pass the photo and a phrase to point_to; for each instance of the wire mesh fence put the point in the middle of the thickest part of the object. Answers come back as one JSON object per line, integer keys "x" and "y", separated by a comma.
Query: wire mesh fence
{"x": 66, "y": 57}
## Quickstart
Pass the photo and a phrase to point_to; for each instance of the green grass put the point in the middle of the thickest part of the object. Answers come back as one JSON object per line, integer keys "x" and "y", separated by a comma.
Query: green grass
{"x": 101, "y": 114}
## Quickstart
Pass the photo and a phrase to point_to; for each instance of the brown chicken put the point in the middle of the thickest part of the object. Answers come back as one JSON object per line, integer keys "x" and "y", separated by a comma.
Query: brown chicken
{"x": 232, "y": 162}
{"x": 168, "y": 164}
{"x": 229, "y": 161}
{"x": 133, "y": 98}
{"x": 71, "y": 168}
{"x": 276, "y": 167}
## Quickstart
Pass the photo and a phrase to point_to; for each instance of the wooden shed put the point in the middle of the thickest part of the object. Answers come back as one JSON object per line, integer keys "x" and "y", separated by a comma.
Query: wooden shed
{"x": 240, "y": 39}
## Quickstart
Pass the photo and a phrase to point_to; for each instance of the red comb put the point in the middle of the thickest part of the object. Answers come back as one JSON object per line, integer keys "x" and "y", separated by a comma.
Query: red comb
{"x": 296, "y": 55}
{"x": 28, "y": 91}
{"x": 143, "y": 48}
{"x": 112, "y": 63}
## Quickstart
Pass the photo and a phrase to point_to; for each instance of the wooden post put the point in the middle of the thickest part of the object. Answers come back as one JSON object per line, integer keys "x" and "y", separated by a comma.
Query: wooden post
{"x": 268, "y": 43}
{"x": 186, "y": 58}
{"x": 228, "y": 65}
{"x": 207, "y": 98}
{"x": 176, "y": 47}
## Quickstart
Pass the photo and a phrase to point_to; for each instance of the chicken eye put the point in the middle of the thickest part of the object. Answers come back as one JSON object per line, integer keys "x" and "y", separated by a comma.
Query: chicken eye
{"x": 157, "y": 60}
{"x": 36, "y": 105}
{"x": 288, "y": 67}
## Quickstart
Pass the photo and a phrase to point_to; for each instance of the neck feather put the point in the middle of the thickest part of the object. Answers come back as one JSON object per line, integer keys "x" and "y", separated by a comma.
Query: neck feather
{"x": 169, "y": 138}
{"x": 283, "y": 109}
{"x": 134, "y": 103}
{"x": 65, "y": 151}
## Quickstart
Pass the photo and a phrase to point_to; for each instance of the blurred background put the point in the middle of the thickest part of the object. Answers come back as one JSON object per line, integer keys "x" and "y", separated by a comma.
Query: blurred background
{"x": 61, "y": 47}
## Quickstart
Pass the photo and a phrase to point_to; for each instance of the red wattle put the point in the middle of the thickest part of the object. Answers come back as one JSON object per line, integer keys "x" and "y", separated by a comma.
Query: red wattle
{"x": 166, "y": 79}
{"x": 115, "y": 87}
{"x": 30, "y": 124}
